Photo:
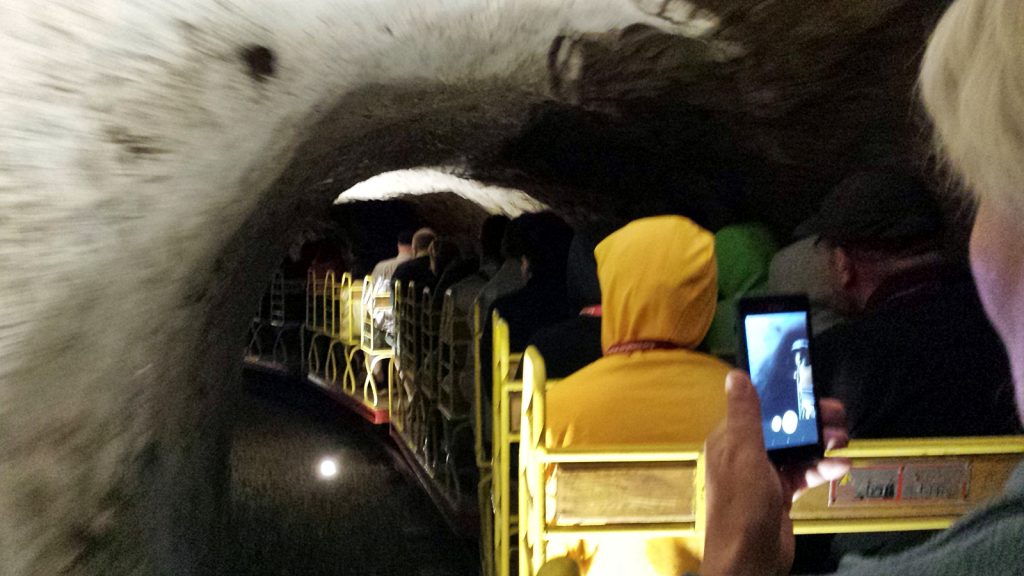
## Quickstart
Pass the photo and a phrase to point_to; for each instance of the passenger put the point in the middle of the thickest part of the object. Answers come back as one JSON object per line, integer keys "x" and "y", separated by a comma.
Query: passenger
{"x": 744, "y": 253}
{"x": 385, "y": 269}
{"x": 972, "y": 81}
{"x": 381, "y": 277}
{"x": 508, "y": 277}
{"x": 443, "y": 253}
{"x": 658, "y": 292}
{"x": 465, "y": 291}
{"x": 418, "y": 268}
{"x": 454, "y": 273}
{"x": 327, "y": 257}
{"x": 802, "y": 268}
{"x": 919, "y": 357}
{"x": 543, "y": 300}
{"x": 448, "y": 267}
{"x": 576, "y": 342}
{"x": 491, "y": 234}
{"x": 544, "y": 239}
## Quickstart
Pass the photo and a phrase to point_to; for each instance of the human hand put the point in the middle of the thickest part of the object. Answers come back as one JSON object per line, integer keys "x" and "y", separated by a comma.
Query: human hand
{"x": 748, "y": 499}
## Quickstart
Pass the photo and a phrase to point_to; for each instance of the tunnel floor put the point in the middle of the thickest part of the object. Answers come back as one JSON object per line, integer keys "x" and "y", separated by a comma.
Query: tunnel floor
{"x": 369, "y": 520}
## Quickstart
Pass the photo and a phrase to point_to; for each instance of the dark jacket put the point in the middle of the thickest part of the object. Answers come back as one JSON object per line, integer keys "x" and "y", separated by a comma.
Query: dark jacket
{"x": 576, "y": 342}
{"x": 569, "y": 345}
{"x": 416, "y": 270}
{"x": 540, "y": 303}
{"x": 922, "y": 361}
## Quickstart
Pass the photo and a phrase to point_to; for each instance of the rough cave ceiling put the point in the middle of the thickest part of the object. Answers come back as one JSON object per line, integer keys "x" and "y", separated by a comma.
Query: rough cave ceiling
{"x": 755, "y": 118}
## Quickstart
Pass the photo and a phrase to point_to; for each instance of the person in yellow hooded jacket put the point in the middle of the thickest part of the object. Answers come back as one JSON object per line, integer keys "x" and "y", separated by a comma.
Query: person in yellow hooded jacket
{"x": 658, "y": 292}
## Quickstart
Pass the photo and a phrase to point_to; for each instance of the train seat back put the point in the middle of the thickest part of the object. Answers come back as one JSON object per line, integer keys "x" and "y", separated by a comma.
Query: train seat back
{"x": 594, "y": 493}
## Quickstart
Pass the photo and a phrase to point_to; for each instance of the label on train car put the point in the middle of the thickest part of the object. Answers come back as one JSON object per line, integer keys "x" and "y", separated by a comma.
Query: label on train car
{"x": 940, "y": 482}
{"x": 911, "y": 483}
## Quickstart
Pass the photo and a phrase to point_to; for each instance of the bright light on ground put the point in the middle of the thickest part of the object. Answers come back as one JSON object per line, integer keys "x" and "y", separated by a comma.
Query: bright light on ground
{"x": 392, "y": 185}
{"x": 328, "y": 468}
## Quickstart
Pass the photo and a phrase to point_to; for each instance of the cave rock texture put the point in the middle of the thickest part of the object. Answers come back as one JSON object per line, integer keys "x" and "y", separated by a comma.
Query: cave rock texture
{"x": 157, "y": 158}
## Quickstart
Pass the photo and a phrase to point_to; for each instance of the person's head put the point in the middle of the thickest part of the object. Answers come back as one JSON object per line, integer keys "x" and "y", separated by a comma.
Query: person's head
{"x": 421, "y": 241}
{"x": 443, "y": 253}
{"x": 405, "y": 242}
{"x": 544, "y": 240}
{"x": 744, "y": 254}
{"x": 491, "y": 234}
{"x": 658, "y": 282}
{"x": 873, "y": 225}
{"x": 972, "y": 83}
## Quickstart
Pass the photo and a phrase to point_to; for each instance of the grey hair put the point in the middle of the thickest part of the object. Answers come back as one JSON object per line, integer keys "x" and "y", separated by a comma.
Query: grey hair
{"x": 972, "y": 84}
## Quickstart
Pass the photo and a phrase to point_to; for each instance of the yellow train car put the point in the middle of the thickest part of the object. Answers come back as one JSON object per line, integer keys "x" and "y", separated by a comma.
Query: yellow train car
{"x": 537, "y": 510}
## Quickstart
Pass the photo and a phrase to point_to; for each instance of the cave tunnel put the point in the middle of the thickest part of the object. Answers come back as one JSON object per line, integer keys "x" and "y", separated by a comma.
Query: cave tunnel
{"x": 157, "y": 160}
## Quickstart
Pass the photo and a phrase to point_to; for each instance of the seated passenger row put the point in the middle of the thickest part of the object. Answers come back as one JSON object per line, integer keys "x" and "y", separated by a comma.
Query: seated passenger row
{"x": 916, "y": 357}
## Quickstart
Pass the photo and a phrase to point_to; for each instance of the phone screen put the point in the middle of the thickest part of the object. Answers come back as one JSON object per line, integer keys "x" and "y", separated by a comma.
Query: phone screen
{"x": 779, "y": 360}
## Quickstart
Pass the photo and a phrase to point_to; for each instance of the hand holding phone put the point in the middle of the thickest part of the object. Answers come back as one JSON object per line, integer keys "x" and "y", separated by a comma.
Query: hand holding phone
{"x": 775, "y": 349}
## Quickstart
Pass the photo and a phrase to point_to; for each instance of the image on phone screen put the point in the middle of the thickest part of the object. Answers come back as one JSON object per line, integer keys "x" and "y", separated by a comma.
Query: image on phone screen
{"x": 778, "y": 354}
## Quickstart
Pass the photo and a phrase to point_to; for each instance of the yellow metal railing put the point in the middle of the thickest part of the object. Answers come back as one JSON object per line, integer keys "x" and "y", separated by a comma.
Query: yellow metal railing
{"x": 452, "y": 408}
{"x": 406, "y": 395}
{"x": 317, "y": 302}
{"x": 314, "y": 293}
{"x": 506, "y": 395}
{"x": 351, "y": 328}
{"x": 453, "y": 344}
{"x": 372, "y": 342}
{"x": 415, "y": 400}
{"x": 483, "y": 461}
{"x": 396, "y": 409}
{"x": 345, "y": 306}
{"x": 908, "y": 484}
{"x": 894, "y": 485}
{"x": 426, "y": 380}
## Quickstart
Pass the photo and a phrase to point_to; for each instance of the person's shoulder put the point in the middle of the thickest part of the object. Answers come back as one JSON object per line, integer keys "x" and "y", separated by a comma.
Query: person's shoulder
{"x": 985, "y": 542}
{"x": 839, "y": 333}
{"x": 382, "y": 266}
{"x": 405, "y": 268}
{"x": 570, "y": 329}
{"x": 472, "y": 282}
{"x": 567, "y": 390}
{"x": 508, "y": 302}
{"x": 707, "y": 367}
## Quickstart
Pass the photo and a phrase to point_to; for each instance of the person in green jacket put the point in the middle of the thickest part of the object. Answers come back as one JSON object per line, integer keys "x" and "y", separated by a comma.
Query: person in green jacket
{"x": 744, "y": 253}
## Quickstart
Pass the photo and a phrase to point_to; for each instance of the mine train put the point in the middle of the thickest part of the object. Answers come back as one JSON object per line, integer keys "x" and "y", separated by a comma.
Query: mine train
{"x": 531, "y": 509}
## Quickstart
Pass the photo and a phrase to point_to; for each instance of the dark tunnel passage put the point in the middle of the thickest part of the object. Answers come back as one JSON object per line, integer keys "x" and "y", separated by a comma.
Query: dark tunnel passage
{"x": 197, "y": 164}
{"x": 290, "y": 516}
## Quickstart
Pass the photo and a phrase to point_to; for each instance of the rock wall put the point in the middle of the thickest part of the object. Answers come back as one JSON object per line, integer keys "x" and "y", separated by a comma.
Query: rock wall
{"x": 154, "y": 159}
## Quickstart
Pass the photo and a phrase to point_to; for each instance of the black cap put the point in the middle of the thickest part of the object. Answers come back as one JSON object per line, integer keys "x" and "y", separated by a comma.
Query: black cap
{"x": 876, "y": 208}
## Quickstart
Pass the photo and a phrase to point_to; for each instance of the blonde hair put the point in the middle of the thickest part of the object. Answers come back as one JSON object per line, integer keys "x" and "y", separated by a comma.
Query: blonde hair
{"x": 972, "y": 84}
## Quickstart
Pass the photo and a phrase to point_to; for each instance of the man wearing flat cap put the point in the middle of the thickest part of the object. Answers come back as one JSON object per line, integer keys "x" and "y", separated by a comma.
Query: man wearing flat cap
{"x": 918, "y": 358}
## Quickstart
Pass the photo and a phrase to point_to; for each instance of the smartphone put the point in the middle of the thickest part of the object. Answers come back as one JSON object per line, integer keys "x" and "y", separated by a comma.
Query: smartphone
{"x": 775, "y": 349}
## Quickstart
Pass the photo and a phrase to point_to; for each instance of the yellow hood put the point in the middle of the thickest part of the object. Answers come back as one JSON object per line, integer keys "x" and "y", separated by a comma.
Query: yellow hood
{"x": 658, "y": 282}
